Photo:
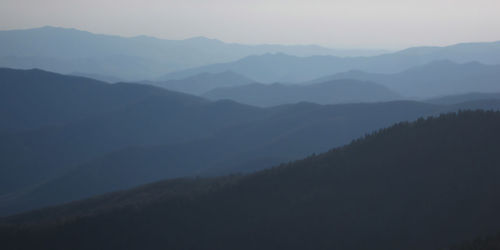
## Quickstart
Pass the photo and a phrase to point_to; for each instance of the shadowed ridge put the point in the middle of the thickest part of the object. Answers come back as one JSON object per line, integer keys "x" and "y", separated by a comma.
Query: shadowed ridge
{"x": 444, "y": 168}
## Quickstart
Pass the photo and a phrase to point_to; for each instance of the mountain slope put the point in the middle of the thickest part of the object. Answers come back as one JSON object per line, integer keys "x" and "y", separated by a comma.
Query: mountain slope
{"x": 45, "y": 153}
{"x": 331, "y": 92}
{"x": 169, "y": 134}
{"x": 290, "y": 132}
{"x": 433, "y": 79}
{"x": 106, "y": 152}
{"x": 421, "y": 185}
{"x": 30, "y": 99}
{"x": 52, "y": 122}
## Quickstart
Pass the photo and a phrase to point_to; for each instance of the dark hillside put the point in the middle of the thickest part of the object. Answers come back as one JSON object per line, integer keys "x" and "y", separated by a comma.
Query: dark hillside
{"x": 421, "y": 185}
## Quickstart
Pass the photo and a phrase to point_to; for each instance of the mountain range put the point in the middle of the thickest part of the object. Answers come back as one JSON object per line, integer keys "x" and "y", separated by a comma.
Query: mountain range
{"x": 270, "y": 68}
{"x": 421, "y": 185}
{"x": 210, "y": 145}
{"x": 72, "y": 51}
{"x": 469, "y": 97}
{"x": 52, "y": 121}
{"x": 329, "y": 92}
{"x": 60, "y": 133}
{"x": 434, "y": 79}
{"x": 203, "y": 82}
{"x": 112, "y": 142}
{"x": 426, "y": 82}
{"x": 136, "y": 58}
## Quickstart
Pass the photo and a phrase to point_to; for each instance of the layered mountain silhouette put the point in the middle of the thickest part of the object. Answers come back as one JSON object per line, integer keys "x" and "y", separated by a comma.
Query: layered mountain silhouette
{"x": 199, "y": 84}
{"x": 433, "y": 79}
{"x": 51, "y": 121}
{"x": 102, "y": 78}
{"x": 137, "y": 58}
{"x": 270, "y": 68}
{"x": 286, "y": 134}
{"x": 146, "y": 58}
{"x": 469, "y": 97}
{"x": 330, "y": 92}
{"x": 31, "y": 99}
{"x": 111, "y": 142}
{"x": 421, "y": 185}
{"x": 486, "y": 53}
{"x": 61, "y": 133}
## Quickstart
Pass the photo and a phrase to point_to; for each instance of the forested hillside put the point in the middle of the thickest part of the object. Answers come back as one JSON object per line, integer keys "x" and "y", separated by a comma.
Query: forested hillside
{"x": 427, "y": 184}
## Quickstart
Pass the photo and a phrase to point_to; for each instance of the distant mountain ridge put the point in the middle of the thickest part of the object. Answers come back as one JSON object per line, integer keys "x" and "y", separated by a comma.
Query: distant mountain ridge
{"x": 201, "y": 83}
{"x": 65, "y": 51}
{"x": 103, "y": 78}
{"x": 434, "y": 79}
{"x": 469, "y": 97}
{"x": 460, "y": 53}
{"x": 147, "y": 58}
{"x": 330, "y": 92}
{"x": 270, "y": 68}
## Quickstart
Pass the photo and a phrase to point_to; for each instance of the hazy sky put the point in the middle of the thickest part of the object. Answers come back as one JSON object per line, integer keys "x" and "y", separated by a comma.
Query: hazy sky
{"x": 334, "y": 23}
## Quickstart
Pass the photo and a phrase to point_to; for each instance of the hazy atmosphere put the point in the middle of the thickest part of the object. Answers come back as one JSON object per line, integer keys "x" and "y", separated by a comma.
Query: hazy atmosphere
{"x": 387, "y": 24}
{"x": 250, "y": 125}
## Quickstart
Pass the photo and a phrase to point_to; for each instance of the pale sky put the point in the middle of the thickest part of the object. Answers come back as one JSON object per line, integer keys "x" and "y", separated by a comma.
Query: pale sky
{"x": 389, "y": 24}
